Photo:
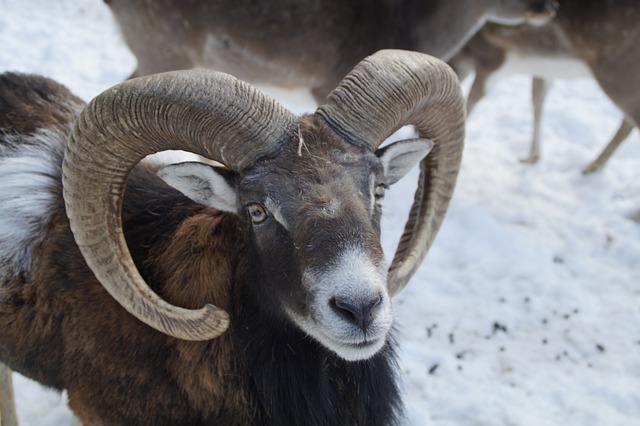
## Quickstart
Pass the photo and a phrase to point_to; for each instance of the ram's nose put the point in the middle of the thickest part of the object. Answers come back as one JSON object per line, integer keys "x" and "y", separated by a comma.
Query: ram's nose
{"x": 358, "y": 312}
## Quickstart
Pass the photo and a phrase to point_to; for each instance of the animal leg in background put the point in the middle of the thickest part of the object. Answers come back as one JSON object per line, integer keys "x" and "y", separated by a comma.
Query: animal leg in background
{"x": 8, "y": 416}
{"x": 621, "y": 135}
{"x": 539, "y": 89}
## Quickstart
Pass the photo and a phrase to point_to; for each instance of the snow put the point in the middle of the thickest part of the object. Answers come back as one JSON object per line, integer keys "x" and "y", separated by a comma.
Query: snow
{"x": 527, "y": 309}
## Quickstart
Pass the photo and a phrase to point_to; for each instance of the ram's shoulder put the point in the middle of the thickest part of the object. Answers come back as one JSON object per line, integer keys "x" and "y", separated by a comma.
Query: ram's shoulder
{"x": 31, "y": 102}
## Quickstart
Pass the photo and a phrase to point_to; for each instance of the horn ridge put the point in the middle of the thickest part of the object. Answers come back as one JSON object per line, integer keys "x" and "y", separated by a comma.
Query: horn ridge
{"x": 386, "y": 91}
{"x": 204, "y": 112}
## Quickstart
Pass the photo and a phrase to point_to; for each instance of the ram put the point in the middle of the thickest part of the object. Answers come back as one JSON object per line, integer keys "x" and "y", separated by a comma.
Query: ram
{"x": 585, "y": 39}
{"x": 257, "y": 292}
{"x": 302, "y": 43}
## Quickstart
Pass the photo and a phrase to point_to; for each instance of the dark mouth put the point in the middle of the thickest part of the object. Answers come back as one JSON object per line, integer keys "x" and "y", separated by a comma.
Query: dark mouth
{"x": 364, "y": 345}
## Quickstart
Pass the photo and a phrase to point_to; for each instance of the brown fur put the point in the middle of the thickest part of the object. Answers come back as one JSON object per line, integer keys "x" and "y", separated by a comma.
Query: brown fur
{"x": 29, "y": 103}
{"x": 79, "y": 338}
{"x": 72, "y": 340}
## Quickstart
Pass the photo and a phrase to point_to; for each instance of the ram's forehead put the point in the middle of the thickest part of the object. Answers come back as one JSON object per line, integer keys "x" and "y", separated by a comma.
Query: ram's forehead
{"x": 301, "y": 207}
{"x": 316, "y": 171}
{"x": 315, "y": 168}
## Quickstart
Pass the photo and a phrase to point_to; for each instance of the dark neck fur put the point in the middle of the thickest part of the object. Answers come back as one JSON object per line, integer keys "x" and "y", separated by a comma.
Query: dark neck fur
{"x": 291, "y": 379}
{"x": 294, "y": 380}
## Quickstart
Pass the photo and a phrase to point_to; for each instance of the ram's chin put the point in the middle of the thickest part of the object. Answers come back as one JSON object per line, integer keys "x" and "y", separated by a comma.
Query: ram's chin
{"x": 349, "y": 349}
{"x": 356, "y": 351}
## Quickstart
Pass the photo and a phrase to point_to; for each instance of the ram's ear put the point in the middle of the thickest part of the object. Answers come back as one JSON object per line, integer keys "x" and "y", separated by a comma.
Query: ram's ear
{"x": 399, "y": 157}
{"x": 209, "y": 185}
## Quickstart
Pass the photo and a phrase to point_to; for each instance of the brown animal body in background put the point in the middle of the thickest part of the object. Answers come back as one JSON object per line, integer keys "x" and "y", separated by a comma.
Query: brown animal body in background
{"x": 587, "y": 38}
{"x": 294, "y": 43}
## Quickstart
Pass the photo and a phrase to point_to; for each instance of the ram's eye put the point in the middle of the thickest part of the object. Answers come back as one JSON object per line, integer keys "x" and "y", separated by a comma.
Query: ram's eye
{"x": 257, "y": 212}
{"x": 378, "y": 193}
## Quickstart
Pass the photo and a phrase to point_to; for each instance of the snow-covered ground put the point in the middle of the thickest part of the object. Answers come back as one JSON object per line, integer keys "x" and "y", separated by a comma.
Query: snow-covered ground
{"x": 527, "y": 309}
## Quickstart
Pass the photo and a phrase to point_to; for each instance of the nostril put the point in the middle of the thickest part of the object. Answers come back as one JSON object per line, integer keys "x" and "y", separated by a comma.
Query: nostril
{"x": 360, "y": 313}
{"x": 346, "y": 309}
{"x": 374, "y": 304}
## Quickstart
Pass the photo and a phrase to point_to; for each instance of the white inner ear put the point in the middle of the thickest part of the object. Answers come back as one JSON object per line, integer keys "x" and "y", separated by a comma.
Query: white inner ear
{"x": 202, "y": 183}
{"x": 398, "y": 158}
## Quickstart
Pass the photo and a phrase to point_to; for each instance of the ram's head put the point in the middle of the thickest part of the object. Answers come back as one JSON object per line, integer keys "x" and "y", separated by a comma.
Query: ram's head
{"x": 308, "y": 189}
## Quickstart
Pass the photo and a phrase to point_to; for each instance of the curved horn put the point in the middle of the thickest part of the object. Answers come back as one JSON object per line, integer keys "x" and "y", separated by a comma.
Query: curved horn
{"x": 207, "y": 113}
{"x": 384, "y": 92}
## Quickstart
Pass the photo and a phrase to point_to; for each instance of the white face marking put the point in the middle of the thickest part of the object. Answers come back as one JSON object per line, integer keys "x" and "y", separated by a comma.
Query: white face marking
{"x": 372, "y": 190}
{"x": 30, "y": 175}
{"x": 300, "y": 142}
{"x": 354, "y": 277}
{"x": 276, "y": 212}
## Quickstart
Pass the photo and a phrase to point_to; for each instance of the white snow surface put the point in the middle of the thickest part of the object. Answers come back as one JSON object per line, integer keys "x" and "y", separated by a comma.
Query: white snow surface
{"x": 527, "y": 308}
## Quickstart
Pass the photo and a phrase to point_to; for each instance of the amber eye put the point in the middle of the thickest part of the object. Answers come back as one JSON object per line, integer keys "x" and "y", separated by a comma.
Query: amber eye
{"x": 257, "y": 213}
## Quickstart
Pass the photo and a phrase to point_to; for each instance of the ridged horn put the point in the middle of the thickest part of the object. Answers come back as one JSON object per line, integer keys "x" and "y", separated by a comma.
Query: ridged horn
{"x": 386, "y": 91}
{"x": 204, "y": 112}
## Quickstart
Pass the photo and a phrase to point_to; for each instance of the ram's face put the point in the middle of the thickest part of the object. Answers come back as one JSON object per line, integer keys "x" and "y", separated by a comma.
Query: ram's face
{"x": 313, "y": 218}
{"x": 314, "y": 214}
